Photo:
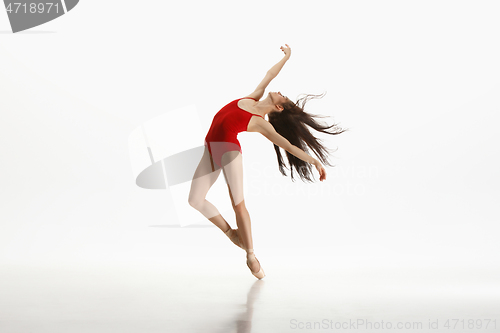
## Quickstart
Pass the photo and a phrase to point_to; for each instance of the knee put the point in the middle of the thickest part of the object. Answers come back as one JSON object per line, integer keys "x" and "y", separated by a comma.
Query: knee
{"x": 194, "y": 201}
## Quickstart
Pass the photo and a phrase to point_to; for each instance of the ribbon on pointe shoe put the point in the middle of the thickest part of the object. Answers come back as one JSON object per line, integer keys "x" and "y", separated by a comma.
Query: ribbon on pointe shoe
{"x": 251, "y": 256}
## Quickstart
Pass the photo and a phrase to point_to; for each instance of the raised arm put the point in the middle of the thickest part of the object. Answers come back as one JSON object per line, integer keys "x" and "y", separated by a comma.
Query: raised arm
{"x": 271, "y": 74}
{"x": 266, "y": 129}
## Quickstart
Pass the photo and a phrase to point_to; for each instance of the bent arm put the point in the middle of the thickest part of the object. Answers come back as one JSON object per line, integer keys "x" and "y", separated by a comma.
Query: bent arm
{"x": 267, "y": 130}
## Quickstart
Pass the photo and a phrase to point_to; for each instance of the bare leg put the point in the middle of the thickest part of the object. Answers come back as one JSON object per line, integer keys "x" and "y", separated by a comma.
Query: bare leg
{"x": 203, "y": 179}
{"x": 244, "y": 224}
{"x": 220, "y": 222}
{"x": 233, "y": 172}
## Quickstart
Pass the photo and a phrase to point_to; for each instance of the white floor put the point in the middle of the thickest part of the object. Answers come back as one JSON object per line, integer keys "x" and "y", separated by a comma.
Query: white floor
{"x": 215, "y": 292}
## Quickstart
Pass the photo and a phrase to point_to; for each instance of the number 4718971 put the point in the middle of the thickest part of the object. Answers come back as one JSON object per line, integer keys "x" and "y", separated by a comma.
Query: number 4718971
{"x": 33, "y": 7}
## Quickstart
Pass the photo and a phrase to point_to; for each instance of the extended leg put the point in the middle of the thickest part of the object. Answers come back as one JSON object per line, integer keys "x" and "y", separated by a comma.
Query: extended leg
{"x": 233, "y": 172}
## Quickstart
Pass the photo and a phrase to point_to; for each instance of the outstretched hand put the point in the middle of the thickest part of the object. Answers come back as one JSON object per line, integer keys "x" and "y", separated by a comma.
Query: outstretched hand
{"x": 321, "y": 170}
{"x": 286, "y": 50}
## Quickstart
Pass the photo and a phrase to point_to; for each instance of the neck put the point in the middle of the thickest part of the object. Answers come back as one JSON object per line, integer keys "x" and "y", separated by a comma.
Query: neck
{"x": 264, "y": 106}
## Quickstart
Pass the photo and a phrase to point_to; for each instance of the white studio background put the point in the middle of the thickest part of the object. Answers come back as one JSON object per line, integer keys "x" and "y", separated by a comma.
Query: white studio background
{"x": 416, "y": 82}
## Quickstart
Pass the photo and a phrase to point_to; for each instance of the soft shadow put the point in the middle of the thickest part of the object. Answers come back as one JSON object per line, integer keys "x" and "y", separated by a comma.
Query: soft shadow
{"x": 28, "y": 32}
{"x": 178, "y": 226}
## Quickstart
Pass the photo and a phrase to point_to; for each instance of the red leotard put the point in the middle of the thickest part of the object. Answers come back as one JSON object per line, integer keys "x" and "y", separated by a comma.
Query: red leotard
{"x": 226, "y": 125}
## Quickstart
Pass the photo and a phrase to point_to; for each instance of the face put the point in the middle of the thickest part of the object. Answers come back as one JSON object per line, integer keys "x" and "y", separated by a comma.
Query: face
{"x": 278, "y": 99}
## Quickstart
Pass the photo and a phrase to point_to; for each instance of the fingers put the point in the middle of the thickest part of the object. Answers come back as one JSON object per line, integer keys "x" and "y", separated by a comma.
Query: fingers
{"x": 322, "y": 172}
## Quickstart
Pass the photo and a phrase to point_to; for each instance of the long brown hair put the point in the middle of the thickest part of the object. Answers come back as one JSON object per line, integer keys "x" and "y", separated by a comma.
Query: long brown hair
{"x": 290, "y": 123}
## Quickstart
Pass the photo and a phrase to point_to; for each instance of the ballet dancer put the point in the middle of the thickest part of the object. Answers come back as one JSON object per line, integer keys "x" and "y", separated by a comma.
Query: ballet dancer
{"x": 285, "y": 129}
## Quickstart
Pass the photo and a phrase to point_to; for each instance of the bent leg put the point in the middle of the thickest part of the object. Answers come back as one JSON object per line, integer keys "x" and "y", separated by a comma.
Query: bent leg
{"x": 203, "y": 179}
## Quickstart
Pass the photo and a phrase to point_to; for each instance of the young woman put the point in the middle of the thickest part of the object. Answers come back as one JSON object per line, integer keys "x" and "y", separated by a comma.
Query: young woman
{"x": 285, "y": 128}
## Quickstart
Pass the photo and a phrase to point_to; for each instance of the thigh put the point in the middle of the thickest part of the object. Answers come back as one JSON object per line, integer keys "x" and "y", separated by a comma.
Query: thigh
{"x": 232, "y": 166}
{"x": 205, "y": 175}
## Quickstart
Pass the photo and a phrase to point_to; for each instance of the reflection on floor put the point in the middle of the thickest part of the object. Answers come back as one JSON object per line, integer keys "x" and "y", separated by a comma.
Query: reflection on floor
{"x": 218, "y": 294}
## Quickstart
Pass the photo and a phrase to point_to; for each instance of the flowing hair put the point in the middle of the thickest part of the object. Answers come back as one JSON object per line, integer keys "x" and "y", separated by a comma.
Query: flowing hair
{"x": 291, "y": 124}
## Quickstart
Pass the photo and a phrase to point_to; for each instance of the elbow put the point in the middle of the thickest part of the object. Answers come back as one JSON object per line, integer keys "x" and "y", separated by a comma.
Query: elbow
{"x": 271, "y": 74}
{"x": 290, "y": 148}
{"x": 287, "y": 145}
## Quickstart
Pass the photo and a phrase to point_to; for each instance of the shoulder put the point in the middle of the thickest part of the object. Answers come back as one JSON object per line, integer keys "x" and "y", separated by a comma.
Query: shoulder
{"x": 246, "y": 101}
{"x": 258, "y": 124}
{"x": 250, "y": 97}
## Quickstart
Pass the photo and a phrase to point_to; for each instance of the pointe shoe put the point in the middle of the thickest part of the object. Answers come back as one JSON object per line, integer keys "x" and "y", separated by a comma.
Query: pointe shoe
{"x": 251, "y": 257}
{"x": 234, "y": 236}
